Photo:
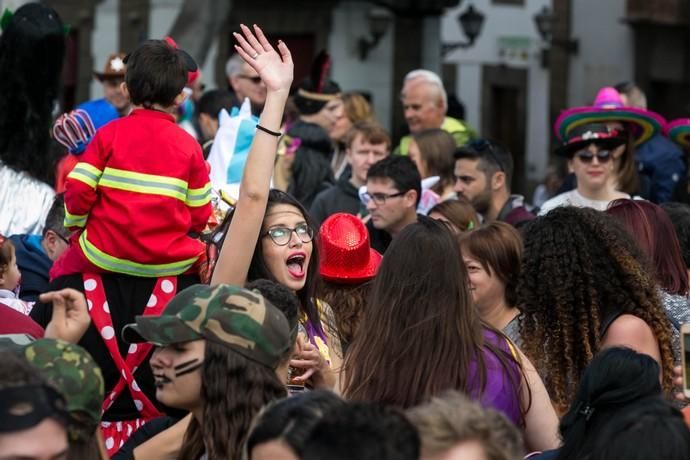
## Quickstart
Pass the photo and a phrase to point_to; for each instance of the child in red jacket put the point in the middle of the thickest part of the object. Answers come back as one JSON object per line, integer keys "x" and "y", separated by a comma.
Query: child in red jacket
{"x": 142, "y": 187}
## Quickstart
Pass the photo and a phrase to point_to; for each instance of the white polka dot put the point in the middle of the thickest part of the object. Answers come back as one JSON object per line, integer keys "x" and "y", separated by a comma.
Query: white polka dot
{"x": 109, "y": 443}
{"x": 105, "y": 424}
{"x": 167, "y": 286}
{"x": 135, "y": 386}
{"x": 90, "y": 284}
{"x": 108, "y": 332}
{"x": 89, "y": 304}
{"x": 132, "y": 348}
{"x": 153, "y": 300}
{"x": 139, "y": 404}
{"x": 122, "y": 441}
{"x": 112, "y": 396}
{"x": 106, "y": 307}
{"x": 124, "y": 374}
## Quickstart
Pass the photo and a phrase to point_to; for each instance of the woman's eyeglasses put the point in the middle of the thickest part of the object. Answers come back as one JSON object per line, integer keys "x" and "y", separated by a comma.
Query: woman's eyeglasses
{"x": 585, "y": 156}
{"x": 282, "y": 235}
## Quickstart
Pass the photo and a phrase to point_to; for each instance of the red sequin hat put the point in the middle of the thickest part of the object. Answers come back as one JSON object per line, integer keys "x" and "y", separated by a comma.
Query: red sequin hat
{"x": 346, "y": 256}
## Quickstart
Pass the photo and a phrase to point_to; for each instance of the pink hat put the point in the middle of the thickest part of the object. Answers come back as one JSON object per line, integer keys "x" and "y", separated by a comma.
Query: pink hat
{"x": 346, "y": 256}
{"x": 608, "y": 107}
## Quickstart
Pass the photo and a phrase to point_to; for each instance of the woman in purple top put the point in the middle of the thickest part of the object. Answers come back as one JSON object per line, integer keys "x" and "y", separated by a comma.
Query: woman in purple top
{"x": 421, "y": 335}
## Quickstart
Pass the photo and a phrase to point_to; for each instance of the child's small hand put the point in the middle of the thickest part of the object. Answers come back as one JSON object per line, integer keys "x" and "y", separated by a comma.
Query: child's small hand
{"x": 274, "y": 67}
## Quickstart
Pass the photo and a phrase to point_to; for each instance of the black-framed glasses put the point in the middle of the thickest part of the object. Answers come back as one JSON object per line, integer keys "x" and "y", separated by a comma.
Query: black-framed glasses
{"x": 282, "y": 235}
{"x": 585, "y": 156}
{"x": 256, "y": 80}
{"x": 379, "y": 198}
{"x": 484, "y": 147}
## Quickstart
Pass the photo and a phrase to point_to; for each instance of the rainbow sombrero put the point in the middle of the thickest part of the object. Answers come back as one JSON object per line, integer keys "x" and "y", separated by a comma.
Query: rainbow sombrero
{"x": 679, "y": 131}
{"x": 608, "y": 106}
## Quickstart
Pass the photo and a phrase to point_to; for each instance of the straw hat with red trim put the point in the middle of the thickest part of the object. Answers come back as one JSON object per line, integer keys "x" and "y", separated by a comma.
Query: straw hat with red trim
{"x": 608, "y": 107}
{"x": 678, "y": 131}
{"x": 346, "y": 256}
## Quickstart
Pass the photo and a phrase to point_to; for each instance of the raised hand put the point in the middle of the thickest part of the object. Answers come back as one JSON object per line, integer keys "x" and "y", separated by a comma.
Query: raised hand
{"x": 274, "y": 67}
{"x": 70, "y": 318}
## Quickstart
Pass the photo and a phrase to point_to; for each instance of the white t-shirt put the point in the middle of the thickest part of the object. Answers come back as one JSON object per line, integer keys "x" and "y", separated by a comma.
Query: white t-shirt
{"x": 574, "y": 198}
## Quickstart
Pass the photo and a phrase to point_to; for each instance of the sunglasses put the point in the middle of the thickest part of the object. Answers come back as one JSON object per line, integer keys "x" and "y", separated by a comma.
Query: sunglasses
{"x": 486, "y": 149}
{"x": 256, "y": 80}
{"x": 585, "y": 156}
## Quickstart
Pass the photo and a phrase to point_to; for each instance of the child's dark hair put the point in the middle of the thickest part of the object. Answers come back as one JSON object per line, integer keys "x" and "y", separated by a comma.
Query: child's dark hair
{"x": 401, "y": 170}
{"x": 156, "y": 74}
{"x": 6, "y": 254}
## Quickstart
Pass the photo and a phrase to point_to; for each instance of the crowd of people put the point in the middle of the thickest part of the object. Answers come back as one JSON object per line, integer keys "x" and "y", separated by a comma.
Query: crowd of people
{"x": 360, "y": 297}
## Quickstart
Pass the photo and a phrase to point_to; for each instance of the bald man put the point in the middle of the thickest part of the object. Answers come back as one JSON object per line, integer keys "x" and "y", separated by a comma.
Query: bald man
{"x": 425, "y": 104}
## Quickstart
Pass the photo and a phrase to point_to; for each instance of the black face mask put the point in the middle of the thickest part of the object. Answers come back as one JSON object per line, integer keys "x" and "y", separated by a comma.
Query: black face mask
{"x": 26, "y": 406}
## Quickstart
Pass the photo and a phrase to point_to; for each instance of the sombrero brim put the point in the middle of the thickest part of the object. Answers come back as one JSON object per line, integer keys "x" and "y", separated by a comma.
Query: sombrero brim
{"x": 344, "y": 275}
{"x": 679, "y": 131}
{"x": 645, "y": 123}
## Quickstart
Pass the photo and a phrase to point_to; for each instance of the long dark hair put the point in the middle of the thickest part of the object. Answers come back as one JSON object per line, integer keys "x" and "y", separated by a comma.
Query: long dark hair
{"x": 580, "y": 270}
{"x": 32, "y": 48}
{"x": 615, "y": 379}
{"x": 258, "y": 268}
{"x": 653, "y": 230}
{"x": 233, "y": 390}
{"x": 627, "y": 172}
{"x": 420, "y": 318}
{"x": 347, "y": 301}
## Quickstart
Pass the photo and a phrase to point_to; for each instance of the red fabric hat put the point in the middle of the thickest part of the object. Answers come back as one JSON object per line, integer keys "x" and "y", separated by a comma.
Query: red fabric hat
{"x": 346, "y": 256}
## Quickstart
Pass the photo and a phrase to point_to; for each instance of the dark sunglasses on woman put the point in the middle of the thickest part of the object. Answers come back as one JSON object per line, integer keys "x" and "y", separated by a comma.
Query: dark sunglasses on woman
{"x": 585, "y": 156}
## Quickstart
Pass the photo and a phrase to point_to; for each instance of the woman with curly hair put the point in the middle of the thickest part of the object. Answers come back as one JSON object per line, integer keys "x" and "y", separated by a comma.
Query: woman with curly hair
{"x": 583, "y": 288}
{"x": 32, "y": 47}
{"x": 420, "y": 335}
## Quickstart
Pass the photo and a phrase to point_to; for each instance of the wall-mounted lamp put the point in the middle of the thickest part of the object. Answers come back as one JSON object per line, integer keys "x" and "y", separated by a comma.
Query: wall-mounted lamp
{"x": 379, "y": 19}
{"x": 471, "y": 22}
{"x": 544, "y": 21}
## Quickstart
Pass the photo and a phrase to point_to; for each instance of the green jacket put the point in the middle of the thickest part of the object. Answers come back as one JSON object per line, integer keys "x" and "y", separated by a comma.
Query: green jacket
{"x": 460, "y": 130}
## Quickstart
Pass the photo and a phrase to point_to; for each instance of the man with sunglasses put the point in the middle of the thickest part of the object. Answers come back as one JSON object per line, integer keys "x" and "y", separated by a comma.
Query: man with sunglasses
{"x": 483, "y": 175}
{"x": 36, "y": 253}
{"x": 393, "y": 192}
{"x": 245, "y": 82}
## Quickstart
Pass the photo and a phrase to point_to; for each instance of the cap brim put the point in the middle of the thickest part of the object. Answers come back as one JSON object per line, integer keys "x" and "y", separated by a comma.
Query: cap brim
{"x": 338, "y": 275}
{"x": 105, "y": 77}
{"x": 158, "y": 330}
{"x": 645, "y": 123}
{"x": 569, "y": 149}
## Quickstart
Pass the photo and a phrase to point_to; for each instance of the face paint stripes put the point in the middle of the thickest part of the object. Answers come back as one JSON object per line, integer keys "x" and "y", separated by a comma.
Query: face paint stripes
{"x": 187, "y": 367}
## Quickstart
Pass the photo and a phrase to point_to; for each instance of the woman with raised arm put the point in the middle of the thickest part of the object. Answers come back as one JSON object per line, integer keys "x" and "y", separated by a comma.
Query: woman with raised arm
{"x": 270, "y": 234}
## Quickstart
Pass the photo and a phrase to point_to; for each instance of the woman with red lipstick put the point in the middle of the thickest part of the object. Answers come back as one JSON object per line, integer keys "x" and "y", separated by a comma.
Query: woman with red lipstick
{"x": 599, "y": 143}
{"x": 270, "y": 235}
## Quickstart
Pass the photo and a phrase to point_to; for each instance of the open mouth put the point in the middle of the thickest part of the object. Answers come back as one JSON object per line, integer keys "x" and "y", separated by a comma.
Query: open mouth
{"x": 295, "y": 265}
{"x": 161, "y": 380}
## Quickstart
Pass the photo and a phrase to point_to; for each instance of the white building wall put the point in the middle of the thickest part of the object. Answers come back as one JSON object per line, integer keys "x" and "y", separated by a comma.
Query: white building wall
{"x": 104, "y": 39}
{"x": 376, "y": 73}
{"x": 502, "y": 21}
{"x": 606, "y": 51}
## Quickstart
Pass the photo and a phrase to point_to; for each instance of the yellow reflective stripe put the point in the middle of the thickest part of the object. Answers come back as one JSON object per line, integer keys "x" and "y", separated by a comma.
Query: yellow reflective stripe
{"x": 114, "y": 264}
{"x": 199, "y": 196}
{"x": 86, "y": 173}
{"x": 74, "y": 220}
{"x": 144, "y": 183}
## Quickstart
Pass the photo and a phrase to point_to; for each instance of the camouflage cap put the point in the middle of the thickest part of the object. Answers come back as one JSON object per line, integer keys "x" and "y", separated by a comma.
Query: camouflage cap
{"x": 238, "y": 318}
{"x": 73, "y": 372}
